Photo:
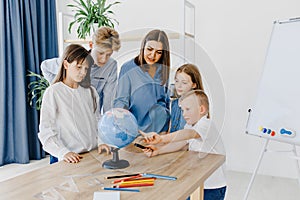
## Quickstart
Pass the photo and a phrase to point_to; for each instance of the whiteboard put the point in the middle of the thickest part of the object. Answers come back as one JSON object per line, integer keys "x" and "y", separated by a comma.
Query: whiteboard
{"x": 276, "y": 112}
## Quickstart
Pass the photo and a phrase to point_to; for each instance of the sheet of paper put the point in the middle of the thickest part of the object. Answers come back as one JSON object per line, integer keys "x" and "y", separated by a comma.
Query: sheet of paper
{"x": 107, "y": 195}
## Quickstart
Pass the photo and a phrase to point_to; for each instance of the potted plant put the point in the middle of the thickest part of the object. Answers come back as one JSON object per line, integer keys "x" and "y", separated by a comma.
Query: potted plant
{"x": 90, "y": 12}
{"x": 37, "y": 88}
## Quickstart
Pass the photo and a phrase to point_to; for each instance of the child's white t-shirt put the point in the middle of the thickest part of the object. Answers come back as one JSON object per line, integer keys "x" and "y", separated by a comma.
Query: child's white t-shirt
{"x": 209, "y": 142}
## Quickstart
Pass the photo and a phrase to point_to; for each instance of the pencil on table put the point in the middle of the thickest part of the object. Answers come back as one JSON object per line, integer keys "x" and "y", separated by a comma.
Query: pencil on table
{"x": 121, "y": 189}
{"x": 133, "y": 185}
{"x": 137, "y": 181}
{"x": 122, "y": 176}
{"x": 128, "y": 178}
{"x": 173, "y": 178}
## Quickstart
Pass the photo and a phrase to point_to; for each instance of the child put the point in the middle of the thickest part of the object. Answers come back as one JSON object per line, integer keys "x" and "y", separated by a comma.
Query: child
{"x": 187, "y": 78}
{"x": 68, "y": 123}
{"x": 197, "y": 135}
{"x": 104, "y": 71}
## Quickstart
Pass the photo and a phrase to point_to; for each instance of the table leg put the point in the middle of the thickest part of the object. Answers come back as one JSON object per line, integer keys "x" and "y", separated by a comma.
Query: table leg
{"x": 198, "y": 193}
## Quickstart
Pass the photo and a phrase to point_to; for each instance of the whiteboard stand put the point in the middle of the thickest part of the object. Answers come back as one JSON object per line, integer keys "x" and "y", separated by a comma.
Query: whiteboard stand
{"x": 256, "y": 168}
{"x": 264, "y": 150}
{"x": 296, "y": 157}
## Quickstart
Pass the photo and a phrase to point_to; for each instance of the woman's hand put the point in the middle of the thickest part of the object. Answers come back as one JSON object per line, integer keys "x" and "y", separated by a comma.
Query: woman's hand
{"x": 103, "y": 147}
{"x": 72, "y": 157}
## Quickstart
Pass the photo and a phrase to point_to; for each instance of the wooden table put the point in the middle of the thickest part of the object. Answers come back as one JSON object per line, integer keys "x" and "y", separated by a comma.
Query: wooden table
{"x": 79, "y": 181}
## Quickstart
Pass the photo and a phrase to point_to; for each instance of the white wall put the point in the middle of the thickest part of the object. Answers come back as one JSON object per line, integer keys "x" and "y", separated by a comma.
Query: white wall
{"x": 235, "y": 34}
{"x": 136, "y": 18}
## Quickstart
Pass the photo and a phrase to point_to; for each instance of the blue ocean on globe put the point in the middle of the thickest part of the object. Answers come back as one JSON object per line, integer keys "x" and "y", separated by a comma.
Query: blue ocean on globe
{"x": 118, "y": 127}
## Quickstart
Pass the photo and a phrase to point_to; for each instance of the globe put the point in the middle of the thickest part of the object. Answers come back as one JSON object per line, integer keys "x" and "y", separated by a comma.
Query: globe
{"x": 117, "y": 128}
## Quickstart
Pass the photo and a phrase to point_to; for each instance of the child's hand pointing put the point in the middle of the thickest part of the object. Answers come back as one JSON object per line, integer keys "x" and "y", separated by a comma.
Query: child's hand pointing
{"x": 151, "y": 138}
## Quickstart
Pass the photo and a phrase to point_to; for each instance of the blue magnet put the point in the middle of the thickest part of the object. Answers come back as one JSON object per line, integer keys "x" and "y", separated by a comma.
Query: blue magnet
{"x": 264, "y": 130}
{"x": 288, "y": 133}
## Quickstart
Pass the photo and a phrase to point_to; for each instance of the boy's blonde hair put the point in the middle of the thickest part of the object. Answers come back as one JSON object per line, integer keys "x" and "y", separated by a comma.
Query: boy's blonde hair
{"x": 106, "y": 38}
{"x": 201, "y": 96}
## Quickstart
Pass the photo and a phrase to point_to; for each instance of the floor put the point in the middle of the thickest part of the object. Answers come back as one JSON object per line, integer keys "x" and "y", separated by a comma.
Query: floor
{"x": 263, "y": 188}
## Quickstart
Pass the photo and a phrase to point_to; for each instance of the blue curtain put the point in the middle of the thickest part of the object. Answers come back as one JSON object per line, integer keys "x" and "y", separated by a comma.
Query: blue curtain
{"x": 28, "y": 36}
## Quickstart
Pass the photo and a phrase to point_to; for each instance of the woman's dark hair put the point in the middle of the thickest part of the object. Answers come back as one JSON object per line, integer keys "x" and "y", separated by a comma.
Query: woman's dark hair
{"x": 159, "y": 36}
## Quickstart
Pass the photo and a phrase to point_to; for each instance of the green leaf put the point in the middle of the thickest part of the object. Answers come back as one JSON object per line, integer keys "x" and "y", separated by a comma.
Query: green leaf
{"x": 88, "y": 12}
{"x": 36, "y": 88}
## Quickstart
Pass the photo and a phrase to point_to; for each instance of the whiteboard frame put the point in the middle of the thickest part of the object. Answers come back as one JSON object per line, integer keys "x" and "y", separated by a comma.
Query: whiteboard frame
{"x": 267, "y": 136}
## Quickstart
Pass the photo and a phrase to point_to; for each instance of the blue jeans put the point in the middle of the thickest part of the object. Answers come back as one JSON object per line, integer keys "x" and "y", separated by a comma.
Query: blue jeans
{"x": 53, "y": 159}
{"x": 214, "y": 194}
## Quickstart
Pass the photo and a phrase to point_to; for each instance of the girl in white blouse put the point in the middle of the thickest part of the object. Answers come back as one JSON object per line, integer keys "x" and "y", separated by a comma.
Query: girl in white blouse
{"x": 69, "y": 112}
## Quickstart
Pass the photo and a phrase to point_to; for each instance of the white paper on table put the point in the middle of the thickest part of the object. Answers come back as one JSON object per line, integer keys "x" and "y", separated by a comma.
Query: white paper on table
{"x": 107, "y": 195}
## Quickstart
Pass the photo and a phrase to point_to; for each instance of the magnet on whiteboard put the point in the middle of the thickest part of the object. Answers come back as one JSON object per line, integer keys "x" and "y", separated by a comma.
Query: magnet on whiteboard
{"x": 273, "y": 133}
{"x": 264, "y": 130}
{"x": 287, "y": 133}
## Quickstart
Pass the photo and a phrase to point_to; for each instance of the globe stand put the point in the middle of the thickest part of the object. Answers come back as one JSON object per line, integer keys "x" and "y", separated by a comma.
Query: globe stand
{"x": 115, "y": 162}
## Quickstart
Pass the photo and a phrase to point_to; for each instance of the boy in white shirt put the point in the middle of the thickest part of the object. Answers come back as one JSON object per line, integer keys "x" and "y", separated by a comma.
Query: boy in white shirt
{"x": 199, "y": 134}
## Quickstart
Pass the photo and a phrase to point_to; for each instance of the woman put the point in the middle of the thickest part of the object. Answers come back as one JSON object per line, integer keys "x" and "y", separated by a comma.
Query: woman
{"x": 68, "y": 124}
{"x": 143, "y": 84}
{"x": 104, "y": 72}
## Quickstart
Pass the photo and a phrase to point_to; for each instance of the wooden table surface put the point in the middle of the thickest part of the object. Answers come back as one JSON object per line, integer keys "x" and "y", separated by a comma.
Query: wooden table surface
{"x": 79, "y": 181}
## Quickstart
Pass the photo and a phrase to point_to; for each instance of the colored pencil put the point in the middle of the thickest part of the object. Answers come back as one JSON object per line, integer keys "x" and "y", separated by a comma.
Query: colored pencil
{"x": 142, "y": 179}
{"x": 127, "y": 178}
{"x": 121, "y": 189}
{"x": 159, "y": 176}
{"x": 133, "y": 185}
{"x": 138, "y": 181}
{"x": 121, "y": 176}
